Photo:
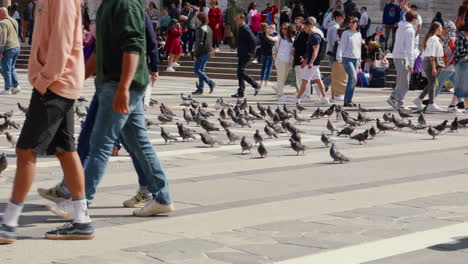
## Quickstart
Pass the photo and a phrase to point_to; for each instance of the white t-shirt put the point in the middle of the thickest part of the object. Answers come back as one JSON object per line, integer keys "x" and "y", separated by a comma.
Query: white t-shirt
{"x": 433, "y": 48}
{"x": 364, "y": 20}
{"x": 252, "y": 13}
{"x": 284, "y": 50}
{"x": 16, "y": 15}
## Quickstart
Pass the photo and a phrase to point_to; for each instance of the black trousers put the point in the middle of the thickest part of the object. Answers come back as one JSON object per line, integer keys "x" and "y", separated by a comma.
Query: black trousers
{"x": 243, "y": 76}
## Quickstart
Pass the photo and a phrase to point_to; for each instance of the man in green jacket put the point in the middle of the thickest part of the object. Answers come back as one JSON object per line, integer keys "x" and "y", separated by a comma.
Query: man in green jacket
{"x": 231, "y": 12}
{"x": 9, "y": 51}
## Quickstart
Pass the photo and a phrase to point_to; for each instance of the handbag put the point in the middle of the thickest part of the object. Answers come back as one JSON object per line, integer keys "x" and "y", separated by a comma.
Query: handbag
{"x": 439, "y": 61}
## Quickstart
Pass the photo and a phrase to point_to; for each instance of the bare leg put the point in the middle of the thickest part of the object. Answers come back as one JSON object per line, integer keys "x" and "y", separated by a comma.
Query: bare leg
{"x": 321, "y": 87}
{"x": 169, "y": 60}
{"x": 73, "y": 173}
{"x": 25, "y": 172}
{"x": 176, "y": 57}
{"x": 302, "y": 89}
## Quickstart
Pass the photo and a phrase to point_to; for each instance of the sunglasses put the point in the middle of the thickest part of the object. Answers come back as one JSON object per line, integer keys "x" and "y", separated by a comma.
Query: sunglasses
{"x": 353, "y": 22}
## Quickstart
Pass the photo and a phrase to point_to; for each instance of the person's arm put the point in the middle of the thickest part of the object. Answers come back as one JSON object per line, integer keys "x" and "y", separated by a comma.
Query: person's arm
{"x": 198, "y": 40}
{"x": 90, "y": 66}
{"x": 384, "y": 15}
{"x": 342, "y": 46}
{"x": 314, "y": 55}
{"x": 418, "y": 30}
{"x": 122, "y": 96}
{"x": 61, "y": 40}
{"x": 410, "y": 48}
{"x": 252, "y": 42}
{"x": 151, "y": 49}
{"x": 3, "y": 39}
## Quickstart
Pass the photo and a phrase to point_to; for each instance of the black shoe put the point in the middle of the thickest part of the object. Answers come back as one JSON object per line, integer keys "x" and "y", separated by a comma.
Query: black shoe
{"x": 197, "y": 92}
{"x": 7, "y": 234}
{"x": 72, "y": 231}
{"x": 425, "y": 102}
{"x": 257, "y": 90}
{"x": 349, "y": 104}
{"x": 212, "y": 86}
{"x": 237, "y": 95}
{"x": 461, "y": 105}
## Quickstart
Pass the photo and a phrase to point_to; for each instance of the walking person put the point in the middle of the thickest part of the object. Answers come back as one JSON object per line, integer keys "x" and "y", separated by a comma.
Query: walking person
{"x": 9, "y": 51}
{"x": 390, "y": 20}
{"x": 247, "y": 44}
{"x": 461, "y": 58}
{"x": 364, "y": 22}
{"x": 172, "y": 46}
{"x": 189, "y": 27}
{"x": 215, "y": 21}
{"x": 231, "y": 13}
{"x": 404, "y": 57}
{"x": 433, "y": 55}
{"x": 201, "y": 53}
{"x": 349, "y": 53}
{"x": 332, "y": 40}
{"x": 339, "y": 78}
{"x": 251, "y": 12}
{"x": 284, "y": 58}
{"x": 57, "y": 74}
{"x": 152, "y": 54}
{"x": 32, "y": 17}
{"x": 267, "y": 42}
{"x": 16, "y": 16}
{"x": 299, "y": 50}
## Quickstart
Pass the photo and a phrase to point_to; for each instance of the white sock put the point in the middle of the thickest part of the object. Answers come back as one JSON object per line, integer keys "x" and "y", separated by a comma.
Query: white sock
{"x": 81, "y": 211}
{"x": 12, "y": 214}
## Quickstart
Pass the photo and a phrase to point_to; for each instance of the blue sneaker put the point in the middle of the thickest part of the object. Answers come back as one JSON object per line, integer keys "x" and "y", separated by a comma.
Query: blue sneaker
{"x": 7, "y": 234}
{"x": 72, "y": 231}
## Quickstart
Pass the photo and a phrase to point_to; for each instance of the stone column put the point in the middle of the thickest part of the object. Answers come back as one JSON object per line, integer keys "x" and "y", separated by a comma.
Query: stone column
{"x": 6, "y": 3}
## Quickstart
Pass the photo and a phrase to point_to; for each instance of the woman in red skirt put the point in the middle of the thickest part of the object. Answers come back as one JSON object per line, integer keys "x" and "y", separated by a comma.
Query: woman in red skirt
{"x": 215, "y": 18}
{"x": 172, "y": 46}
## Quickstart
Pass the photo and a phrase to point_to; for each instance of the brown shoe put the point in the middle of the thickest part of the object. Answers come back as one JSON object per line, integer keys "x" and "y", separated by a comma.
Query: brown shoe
{"x": 115, "y": 152}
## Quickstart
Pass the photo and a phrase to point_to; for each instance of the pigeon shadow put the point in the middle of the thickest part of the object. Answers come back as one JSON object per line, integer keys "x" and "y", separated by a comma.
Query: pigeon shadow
{"x": 257, "y": 158}
{"x": 330, "y": 163}
{"x": 460, "y": 244}
{"x": 429, "y": 139}
{"x": 204, "y": 147}
{"x": 294, "y": 155}
{"x": 27, "y": 207}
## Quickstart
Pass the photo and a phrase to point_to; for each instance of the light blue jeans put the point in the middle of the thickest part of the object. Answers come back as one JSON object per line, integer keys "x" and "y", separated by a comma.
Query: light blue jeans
{"x": 267, "y": 66}
{"x": 199, "y": 69}
{"x": 131, "y": 127}
{"x": 9, "y": 68}
{"x": 445, "y": 76}
{"x": 350, "y": 66}
{"x": 461, "y": 69}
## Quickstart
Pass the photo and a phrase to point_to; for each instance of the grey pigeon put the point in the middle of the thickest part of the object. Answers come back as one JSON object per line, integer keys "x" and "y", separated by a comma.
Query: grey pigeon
{"x": 382, "y": 127}
{"x": 403, "y": 114}
{"x": 244, "y": 104}
{"x": 3, "y": 128}
{"x": 166, "y": 111}
{"x": 153, "y": 102}
{"x": 414, "y": 127}
{"x": 11, "y": 139}
{"x": 422, "y": 120}
{"x": 347, "y": 131}
{"x": 270, "y": 132}
{"x": 331, "y": 127}
{"x": 254, "y": 113}
{"x": 270, "y": 112}
{"x": 167, "y": 136}
{"x": 245, "y": 145}
{"x": 222, "y": 114}
{"x": 187, "y": 117}
{"x": 295, "y": 135}
{"x": 3, "y": 163}
{"x": 262, "y": 151}
{"x": 329, "y": 112}
{"x": 164, "y": 119}
{"x": 277, "y": 128}
{"x": 260, "y": 107}
{"x": 433, "y": 132}
{"x": 298, "y": 117}
{"x": 149, "y": 123}
{"x": 184, "y": 132}
{"x": 22, "y": 108}
{"x": 258, "y": 138}
{"x": 300, "y": 107}
{"x": 80, "y": 113}
{"x": 225, "y": 124}
{"x": 362, "y": 109}
{"x": 297, "y": 146}
{"x": 372, "y": 132}
{"x": 208, "y": 140}
{"x": 185, "y": 98}
{"x": 441, "y": 127}
{"x": 399, "y": 124}
{"x": 387, "y": 117}
{"x": 231, "y": 136}
{"x": 326, "y": 140}
{"x": 463, "y": 122}
{"x": 337, "y": 156}
{"x": 317, "y": 114}
{"x": 454, "y": 126}
{"x": 361, "y": 137}
{"x": 243, "y": 122}
{"x": 205, "y": 124}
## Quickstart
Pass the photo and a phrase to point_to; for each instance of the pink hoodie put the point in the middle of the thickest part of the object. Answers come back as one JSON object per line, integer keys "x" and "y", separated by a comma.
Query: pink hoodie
{"x": 56, "y": 62}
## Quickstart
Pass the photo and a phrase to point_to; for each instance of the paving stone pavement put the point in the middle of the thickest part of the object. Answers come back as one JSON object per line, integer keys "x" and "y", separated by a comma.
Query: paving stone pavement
{"x": 240, "y": 209}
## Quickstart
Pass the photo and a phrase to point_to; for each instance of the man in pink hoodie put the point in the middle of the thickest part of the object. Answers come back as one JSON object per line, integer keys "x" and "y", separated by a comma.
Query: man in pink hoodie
{"x": 56, "y": 71}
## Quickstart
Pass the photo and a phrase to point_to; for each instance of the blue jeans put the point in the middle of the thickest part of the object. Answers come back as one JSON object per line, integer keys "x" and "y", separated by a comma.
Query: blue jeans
{"x": 131, "y": 127}
{"x": 267, "y": 66}
{"x": 187, "y": 39}
{"x": 9, "y": 67}
{"x": 30, "y": 31}
{"x": 461, "y": 89}
{"x": 445, "y": 76}
{"x": 350, "y": 66}
{"x": 199, "y": 69}
{"x": 328, "y": 80}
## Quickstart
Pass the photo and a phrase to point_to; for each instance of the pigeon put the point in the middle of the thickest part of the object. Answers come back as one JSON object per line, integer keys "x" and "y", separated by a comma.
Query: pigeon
{"x": 258, "y": 138}
{"x": 164, "y": 119}
{"x": 231, "y": 136}
{"x": 166, "y": 111}
{"x": 403, "y": 114}
{"x": 245, "y": 144}
{"x": 337, "y": 156}
{"x": 263, "y": 113}
{"x": 80, "y": 113}
{"x": 372, "y": 132}
{"x": 270, "y": 132}
{"x": 12, "y": 124}
{"x": 243, "y": 122}
{"x": 225, "y": 124}
{"x": 297, "y": 146}
{"x": 222, "y": 114}
{"x": 361, "y": 137}
{"x": 3, "y": 128}
{"x": 3, "y": 163}
{"x": 317, "y": 114}
{"x": 331, "y": 127}
{"x": 208, "y": 140}
{"x": 292, "y": 128}
{"x": 254, "y": 113}
{"x": 184, "y": 132}
{"x": 185, "y": 98}
{"x": 347, "y": 131}
{"x": 244, "y": 104}
{"x": 276, "y": 118}
{"x": 204, "y": 113}
{"x": 329, "y": 112}
{"x": 433, "y": 132}
{"x": 153, "y": 102}
{"x": 260, "y": 107}
{"x": 11, "y": 139}
{"x": 296, "y": 137}
{"x": 150, "y": 123}
{"x": 204, "y": 105}
{"x": 8, "y": 114}
{"x": 300, "y": 107}
{"x": 387, "y": 117}
{"x": 277, "y": 128}
{"x": 270, "y": 112}
{"x": 454, "y": 126}
{"x": 22, "y": 108}
{"x": 326, "y": 140}
{"x": 262, "y": 151}
{"x": 362, "y": 118}
{"x": 298, "y": 118}
{"x": 399, "y": 124}
{"x": 194, "y": 104}
{"x": 186, "y": 104}
{"x": 441, "y": 127}
{"x": 382, "y": 127}
{"x": 414, "y": 127}
{"x": 362, "y": 109}
{"x": 167, "y": 136}
{"x": 463, "y": 122}
{"x": 187, "y": 117}
{"x": 205, "y": 124}
{"x": 422, "y": 120}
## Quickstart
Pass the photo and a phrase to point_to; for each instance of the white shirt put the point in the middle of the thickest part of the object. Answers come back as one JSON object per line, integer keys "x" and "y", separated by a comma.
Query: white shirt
{"x": 284, "y": 50}
{"x": 350, "y": 45}
{"x": 433, "y": 48}
{"x": 252, "y": 13}
{"x": 364, "y": 20}
{"x": 16, "y": 15}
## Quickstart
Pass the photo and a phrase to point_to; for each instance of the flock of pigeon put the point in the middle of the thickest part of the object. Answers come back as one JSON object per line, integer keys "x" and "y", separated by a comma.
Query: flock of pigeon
{"x": 277, "y": 120}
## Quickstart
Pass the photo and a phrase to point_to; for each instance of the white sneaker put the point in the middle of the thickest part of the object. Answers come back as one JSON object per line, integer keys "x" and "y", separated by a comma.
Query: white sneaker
{"x": 63, "y": 209}
{"x": 392, "y": 102}
{"x": 139, "y": 200}
{"x": 323, "y": 101}
{"x": 306, "y": 99}
{"x": 175, "y": 64}
{"x": 16, "y": 90}
{"x": 453, "y": 109}
{"x": 465, "y": 111}
{"x": 154, "y": 208}
{"x": 283, "y": 99}
{"x": 5, "y": 92}
{"x": 170, "y": 69}
{"x": 255, "y": 61}
{"x": 418, "y": 103}
{"x": 339, "y": 97}
{"x": 433, "y": 108}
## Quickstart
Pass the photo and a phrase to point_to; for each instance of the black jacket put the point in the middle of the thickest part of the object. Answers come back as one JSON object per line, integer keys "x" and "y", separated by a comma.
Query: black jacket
{"x": 203, "y": 41}
{"x": 247, "y": 42}
{"x": 300, "y": 47}
{"x": 152, "y": 52}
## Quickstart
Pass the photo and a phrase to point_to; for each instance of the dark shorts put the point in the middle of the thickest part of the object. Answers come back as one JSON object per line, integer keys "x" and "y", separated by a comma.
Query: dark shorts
{"x": 49, "y": 127}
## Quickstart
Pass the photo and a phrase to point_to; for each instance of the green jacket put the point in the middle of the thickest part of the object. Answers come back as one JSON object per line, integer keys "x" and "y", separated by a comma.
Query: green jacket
{"x": 8, "y": 34}
{"x": 231, "y": 12}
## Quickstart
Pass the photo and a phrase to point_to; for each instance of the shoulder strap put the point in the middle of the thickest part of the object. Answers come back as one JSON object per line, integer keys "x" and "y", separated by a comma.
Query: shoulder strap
{"x": 16, "y": 29}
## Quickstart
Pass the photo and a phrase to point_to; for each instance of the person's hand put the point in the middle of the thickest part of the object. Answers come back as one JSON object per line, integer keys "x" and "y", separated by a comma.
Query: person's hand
{"x": 121, "y": 101}
{"x": 303, "y": 65}
{"x": 217, "y": 26}
{"x": 1, "y": 55}
{"x": 154, "y": 77}
{"x": 194, "y": 58}
{"x": 310, "y": 66}
{"x": 434, "y": 72}
{"x": 410, "y": 69}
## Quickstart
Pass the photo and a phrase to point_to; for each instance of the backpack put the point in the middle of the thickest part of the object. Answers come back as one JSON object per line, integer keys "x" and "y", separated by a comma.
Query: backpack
{"x": 417, "y": 82}
{"x": 323, "y": 48}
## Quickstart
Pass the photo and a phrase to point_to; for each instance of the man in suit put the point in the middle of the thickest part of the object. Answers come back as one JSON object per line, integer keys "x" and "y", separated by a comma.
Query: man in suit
{"x": 247, "y": 42}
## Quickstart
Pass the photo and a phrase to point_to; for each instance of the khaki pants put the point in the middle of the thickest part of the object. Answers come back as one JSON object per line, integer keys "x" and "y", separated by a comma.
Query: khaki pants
{"x": 282, "y": 70}
{"x": 339, "y": 79}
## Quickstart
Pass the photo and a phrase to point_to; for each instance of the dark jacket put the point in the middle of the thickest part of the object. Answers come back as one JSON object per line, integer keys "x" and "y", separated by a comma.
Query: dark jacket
{"x": 190, "y": 14}
{"x": 349, "y": 8}
{"x": 152, "y": 52}
{"x": 283, "y": 18}
{"x": 300, "y": 47}
{"x": 391, "y": 14}
{"x": 266, "y": 45}
{"x": 203, "y": 41}
{"x": 247, "y": 42}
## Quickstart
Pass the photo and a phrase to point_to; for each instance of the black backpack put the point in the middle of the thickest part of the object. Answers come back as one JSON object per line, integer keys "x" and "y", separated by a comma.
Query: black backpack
{"x": 323, "y": 48}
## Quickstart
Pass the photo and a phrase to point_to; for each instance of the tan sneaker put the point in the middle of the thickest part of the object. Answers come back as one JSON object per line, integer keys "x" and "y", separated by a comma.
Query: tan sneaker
{"x": 139, "y": 200}
{"x": 154, "y": 208}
